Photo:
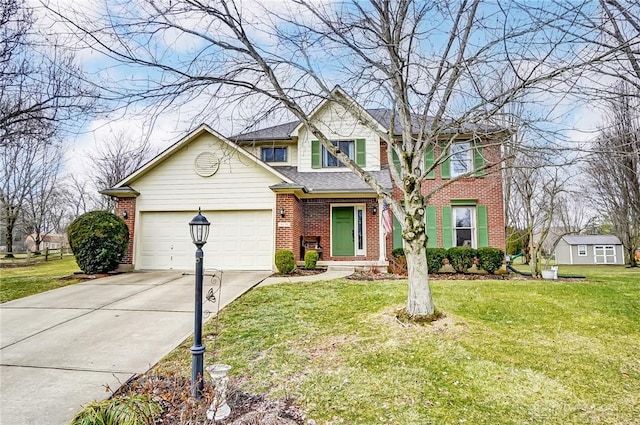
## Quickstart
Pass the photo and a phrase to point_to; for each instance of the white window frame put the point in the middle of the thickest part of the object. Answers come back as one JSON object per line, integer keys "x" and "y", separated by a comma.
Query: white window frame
{"x": 603, "y": 252}
{"x": 582, "y": 250}
{"x": 473, "y": 228}
{"x": 461, "y": 153}
{"x": 273, "y": 148}
{"x": 327, "y": 156}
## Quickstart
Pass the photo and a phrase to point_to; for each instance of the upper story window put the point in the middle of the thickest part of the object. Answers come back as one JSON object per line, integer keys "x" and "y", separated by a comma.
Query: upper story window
{"x": 461, "y": 159}
{"x": 345, "y": 146}
{"x": 274, "y": 154}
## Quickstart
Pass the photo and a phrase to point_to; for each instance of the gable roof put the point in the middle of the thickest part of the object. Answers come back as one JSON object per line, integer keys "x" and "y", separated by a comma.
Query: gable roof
{"x": 381, "y": 115}
{"x": 592, "y": 240}
{"x": 162, "y": 156}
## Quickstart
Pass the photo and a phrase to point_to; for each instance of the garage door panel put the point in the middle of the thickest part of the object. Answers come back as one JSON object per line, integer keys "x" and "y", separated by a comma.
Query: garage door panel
{"x": 238, "y": 240}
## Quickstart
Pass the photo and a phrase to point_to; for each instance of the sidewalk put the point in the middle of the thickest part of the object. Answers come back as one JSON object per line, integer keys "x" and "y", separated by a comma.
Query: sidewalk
{"x": 331, "y": 273}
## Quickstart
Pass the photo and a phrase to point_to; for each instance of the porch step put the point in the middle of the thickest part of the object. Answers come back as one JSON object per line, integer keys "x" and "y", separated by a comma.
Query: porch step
{"x": 338, "y": 268}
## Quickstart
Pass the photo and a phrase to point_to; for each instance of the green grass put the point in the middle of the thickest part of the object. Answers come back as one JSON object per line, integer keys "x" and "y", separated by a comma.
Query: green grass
{"x": 509, "y": 352}
{"x": 19, "y": 282}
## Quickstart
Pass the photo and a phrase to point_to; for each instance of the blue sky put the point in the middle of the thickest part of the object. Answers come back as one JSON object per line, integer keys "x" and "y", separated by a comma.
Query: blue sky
{"x": 578, "y": 121}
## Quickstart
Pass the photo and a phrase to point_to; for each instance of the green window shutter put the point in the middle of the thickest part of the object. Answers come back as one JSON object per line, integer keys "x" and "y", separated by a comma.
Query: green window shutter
{"x": 396, "y": 160}
{"x": 397, "y": 233}
{"x": 361, "y": 152}
{"x": 478, "y": 160}
{"x": 429, "y": 158}
{"x": 432, "y": 231}
{"x": 445, "y": 166}
{"x": 447, "y": 230}
{"x": 315, "y": 154}
{"x": 483, "y": 234}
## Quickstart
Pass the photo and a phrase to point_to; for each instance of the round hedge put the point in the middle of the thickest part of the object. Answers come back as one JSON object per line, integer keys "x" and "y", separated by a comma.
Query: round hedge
{"x": 285, "y": 261}
{"x": 99, "y": 240}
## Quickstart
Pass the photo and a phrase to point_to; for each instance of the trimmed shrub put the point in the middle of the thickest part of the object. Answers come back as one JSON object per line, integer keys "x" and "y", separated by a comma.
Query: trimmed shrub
{"x": 99, "y": 240}
{"x": 434, "y": 258}
{"x": 397, "y": 252}
{"x": 490, "y": 258}
{"x": 285, "y": 261}
{"x": 461, "y": 258}
{"x": 310, "y": 259}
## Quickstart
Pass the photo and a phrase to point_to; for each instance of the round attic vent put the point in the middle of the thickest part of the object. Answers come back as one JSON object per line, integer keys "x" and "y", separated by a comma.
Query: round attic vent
{"x": 207, "y": 164}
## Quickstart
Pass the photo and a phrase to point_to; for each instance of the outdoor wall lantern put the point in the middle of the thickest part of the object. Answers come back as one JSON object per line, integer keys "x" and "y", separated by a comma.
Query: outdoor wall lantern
{"x": 199, "y": 228}
{"x": 124, "y": 214}
{"x": 282, "y": 212}
{"x": 374, "y": 210}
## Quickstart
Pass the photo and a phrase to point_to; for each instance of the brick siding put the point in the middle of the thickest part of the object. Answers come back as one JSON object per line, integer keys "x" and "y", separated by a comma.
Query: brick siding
{"x": 129, "y": 205}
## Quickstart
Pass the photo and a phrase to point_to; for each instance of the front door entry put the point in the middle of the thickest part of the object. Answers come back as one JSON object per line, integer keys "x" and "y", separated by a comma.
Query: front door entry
{"x": 342, "y": 233}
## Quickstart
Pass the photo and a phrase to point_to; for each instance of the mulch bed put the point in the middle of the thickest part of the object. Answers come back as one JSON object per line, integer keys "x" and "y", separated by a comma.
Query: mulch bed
{"x": 179, "y": 407}
{"x": 367, "y": 275}
{"x": 300, "y": 271}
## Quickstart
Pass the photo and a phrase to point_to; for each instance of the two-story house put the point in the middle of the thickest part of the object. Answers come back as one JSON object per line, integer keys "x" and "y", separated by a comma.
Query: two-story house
{"x": 278, "y": 187}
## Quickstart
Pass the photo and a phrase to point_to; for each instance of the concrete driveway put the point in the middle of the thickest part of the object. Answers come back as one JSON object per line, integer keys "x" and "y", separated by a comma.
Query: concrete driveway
{"x": 64, "y": 348}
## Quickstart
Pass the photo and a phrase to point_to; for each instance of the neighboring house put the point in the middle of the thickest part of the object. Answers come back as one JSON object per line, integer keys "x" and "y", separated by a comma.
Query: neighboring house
{"x": 51, "y": 241}
{"x": 274, "y": 188}
{"x": 589, "y": 249}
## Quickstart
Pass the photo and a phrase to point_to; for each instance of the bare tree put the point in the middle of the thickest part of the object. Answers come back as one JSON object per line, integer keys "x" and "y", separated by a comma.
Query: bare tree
{"x": 43, "y": 207}
{"x": 118, "y": 157}
{"x": 40, "y": 85}
{"x": 614, "y": 170}
{"x": 435, "y": 66}
{"x": 24, "y": 165}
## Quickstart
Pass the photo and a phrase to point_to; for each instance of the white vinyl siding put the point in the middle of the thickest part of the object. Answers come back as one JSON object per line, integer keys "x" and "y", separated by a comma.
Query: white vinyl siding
{"x": 338, "y": 124}
{"x": 175, "y": 186}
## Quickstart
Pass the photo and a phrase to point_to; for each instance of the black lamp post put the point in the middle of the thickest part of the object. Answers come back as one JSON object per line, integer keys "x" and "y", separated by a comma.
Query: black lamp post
{"x": 199, "y": 228}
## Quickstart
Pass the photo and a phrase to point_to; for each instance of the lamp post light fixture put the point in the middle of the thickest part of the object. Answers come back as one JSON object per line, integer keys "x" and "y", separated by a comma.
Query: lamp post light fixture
{"x": 199, "y": 228}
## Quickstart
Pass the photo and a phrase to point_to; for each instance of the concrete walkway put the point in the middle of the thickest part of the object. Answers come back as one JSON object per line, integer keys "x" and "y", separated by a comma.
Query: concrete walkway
{"x": 64, "y": 348}
{"x": 331, "y": 273}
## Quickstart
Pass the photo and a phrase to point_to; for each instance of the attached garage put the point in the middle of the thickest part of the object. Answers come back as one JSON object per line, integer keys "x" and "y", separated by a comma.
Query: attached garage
{"x": 238, "y": 240}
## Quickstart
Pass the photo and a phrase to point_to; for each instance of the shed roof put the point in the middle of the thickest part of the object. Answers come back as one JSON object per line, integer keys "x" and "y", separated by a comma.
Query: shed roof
{"x": 592, "y": 240}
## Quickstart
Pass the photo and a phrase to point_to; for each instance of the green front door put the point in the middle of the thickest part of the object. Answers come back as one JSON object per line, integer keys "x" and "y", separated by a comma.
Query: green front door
{"x": 342, "y": 233}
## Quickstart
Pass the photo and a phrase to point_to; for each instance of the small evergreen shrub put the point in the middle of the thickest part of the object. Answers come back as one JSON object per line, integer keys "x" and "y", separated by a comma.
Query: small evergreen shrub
{"x": 99, "y": 240}
{"x": 461, "y": 258}
{"x": 490, "y": 258}
{"x": 285, "y": 261}
{"x": 434, "y": 259}
{"x": 310, "y": 259}
{"x": 397, "y": 252}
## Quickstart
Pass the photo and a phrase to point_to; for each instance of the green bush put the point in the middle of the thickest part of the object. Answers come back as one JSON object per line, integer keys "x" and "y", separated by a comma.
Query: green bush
{"x": 434, "y": 259}
{"x": 310, "y": 259}
{"x": 285, "y": 261}
{"x": 490, "y": 258}
{"x": 99, "y": 240}
{"x": 397, "y": 252}
{"x": 461, "y": 258}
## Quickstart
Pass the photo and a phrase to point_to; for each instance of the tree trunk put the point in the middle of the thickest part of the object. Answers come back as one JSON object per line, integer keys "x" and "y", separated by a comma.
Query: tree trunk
{"x": 419, "y": 302}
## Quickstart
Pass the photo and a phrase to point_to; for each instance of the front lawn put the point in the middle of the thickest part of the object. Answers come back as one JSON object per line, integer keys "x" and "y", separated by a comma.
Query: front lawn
{"x": 508, "y": 352}
{"x": 18, "y": 282}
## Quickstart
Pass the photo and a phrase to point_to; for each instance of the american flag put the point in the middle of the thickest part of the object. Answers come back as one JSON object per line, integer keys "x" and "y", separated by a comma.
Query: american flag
{"x": 387, "y": 223}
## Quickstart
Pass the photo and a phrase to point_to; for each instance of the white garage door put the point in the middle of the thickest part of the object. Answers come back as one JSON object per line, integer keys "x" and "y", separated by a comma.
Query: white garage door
{"x": 238, "y": 240}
